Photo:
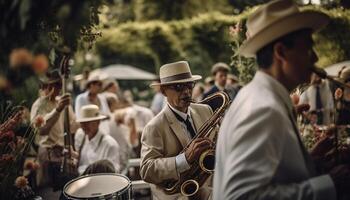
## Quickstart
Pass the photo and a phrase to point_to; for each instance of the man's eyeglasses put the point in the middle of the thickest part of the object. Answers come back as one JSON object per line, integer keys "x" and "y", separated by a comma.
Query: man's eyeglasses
{"x": 182, "y": 86}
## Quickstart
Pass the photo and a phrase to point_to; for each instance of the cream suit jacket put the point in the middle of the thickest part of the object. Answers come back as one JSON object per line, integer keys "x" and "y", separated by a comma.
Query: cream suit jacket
{"x": 162, "y": 140}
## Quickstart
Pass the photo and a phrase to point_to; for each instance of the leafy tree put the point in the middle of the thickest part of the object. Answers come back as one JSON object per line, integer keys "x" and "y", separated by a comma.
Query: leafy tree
{"x": 44, "y": 27}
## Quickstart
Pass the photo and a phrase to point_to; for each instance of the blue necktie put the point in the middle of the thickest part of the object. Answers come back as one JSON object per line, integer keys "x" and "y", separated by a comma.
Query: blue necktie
{"x": 319, "y": 106}
{"x": 187, "y": 123}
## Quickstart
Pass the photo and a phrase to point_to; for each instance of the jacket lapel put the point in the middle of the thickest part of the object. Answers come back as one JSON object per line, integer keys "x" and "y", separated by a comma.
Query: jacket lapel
{"x": 196, "y": 118}
{"x": 176, "y": 127}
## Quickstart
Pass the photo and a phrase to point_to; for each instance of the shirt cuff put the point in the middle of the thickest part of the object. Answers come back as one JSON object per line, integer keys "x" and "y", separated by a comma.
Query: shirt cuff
{"x": 323, "y": 188}
{"x": 181, "y": 163}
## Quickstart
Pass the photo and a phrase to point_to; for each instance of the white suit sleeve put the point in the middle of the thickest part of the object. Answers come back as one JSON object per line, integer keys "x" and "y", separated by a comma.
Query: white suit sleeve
{"x": 251, "y": 167}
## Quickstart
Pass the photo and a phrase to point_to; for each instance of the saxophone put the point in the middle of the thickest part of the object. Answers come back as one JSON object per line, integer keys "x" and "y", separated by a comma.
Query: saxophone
{"x": 191, "y": 180}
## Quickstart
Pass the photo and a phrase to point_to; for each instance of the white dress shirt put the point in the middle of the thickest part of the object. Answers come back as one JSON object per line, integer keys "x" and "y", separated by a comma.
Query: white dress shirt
{"x": 259, "y": 154}
{"x": 309, "y": 97}
{"x": 52, "y": 133}
{"x": 181, "y": 162}
{"x": 96, "y": 149}
{"x": 142, "y": 116}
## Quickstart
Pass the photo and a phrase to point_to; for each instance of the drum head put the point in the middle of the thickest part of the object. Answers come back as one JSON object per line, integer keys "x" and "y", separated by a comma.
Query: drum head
{"x": 96, "y": 185}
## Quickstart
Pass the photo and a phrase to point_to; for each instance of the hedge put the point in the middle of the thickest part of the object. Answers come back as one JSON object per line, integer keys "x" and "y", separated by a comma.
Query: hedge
{"x": 204, "y": 40}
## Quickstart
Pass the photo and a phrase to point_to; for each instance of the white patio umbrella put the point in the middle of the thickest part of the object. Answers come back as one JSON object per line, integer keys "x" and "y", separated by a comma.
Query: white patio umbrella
{"x": 123, "y": 72}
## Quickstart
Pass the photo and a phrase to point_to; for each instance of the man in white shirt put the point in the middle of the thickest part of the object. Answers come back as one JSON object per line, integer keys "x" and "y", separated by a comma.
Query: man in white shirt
{"x": 165, "y": 136}
{"x": 51, "y": 135}
{"x": 320, "y": 98}
{"x": 92, "y": 95}
{"x": 91, "y": 143}
{"x": 259, "y": 153}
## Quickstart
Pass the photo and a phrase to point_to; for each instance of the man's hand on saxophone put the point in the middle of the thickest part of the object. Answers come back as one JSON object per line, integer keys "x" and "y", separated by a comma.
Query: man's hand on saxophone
{"x": 196, "y": 148}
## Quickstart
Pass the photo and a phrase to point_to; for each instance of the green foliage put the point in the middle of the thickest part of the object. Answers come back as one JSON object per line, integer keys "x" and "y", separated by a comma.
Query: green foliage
{"x": 331, "y": 44}
{"x": 179, "y": 9}
{"x": 202, "y": 40}
{"x": 44, "y": 27}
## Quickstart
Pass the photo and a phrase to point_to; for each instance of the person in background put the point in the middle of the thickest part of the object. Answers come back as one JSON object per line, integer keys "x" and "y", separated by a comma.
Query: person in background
{"x": 84, "y": 80}
{"x": 167, "y": 134}
{"x": 100, "y": 166}
{"x": 92, "y": 96}
{"x": 320, "y": 98}
{"x": 198, "y": 92}
{"x": 342, "y": 96}
{"x": 219, "y": 71}
{"x": 158, "y": 101}
{"x": 232, "y": 86}
{"x": 91, "y": 143}
{"x": 50, "y": 107}
{"x": 111, "y": 86}
{"x": 123, "y": 131}
{"x": 208, "y": 83}
{"x": 259, "y": 152}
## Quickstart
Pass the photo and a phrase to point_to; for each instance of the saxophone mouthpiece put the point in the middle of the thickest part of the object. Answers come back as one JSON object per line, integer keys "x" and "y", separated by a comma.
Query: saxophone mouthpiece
{"x": 320, "y": 72}
{"x": 323, "y": 74}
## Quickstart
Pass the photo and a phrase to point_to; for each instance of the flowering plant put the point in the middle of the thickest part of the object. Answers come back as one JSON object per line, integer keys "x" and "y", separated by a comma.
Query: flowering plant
{"x": 13, "y": 185}
{"x": 246, "y": 67}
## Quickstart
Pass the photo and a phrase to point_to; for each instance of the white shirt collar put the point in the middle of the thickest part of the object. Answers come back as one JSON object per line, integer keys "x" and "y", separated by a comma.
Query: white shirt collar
{"x": 95, "y": 140}
{"x": 278, "y": 88}
{"x": 181, "y": 114}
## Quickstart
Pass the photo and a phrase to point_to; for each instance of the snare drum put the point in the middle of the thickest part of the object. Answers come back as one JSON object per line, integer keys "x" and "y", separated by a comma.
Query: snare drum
{"x": 99, "y": 186}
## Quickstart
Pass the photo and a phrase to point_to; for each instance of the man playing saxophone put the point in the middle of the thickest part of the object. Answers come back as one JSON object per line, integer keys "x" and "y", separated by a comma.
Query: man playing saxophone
{"x": 167, "y": 134}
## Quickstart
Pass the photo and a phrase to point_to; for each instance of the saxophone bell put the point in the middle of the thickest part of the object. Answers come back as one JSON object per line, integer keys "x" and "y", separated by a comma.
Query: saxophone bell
{"x": 189, "y": 188}
{"x": 207, "y": 161}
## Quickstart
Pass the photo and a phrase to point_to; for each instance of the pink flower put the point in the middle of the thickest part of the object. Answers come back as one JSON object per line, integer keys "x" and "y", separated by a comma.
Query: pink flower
{"x": 295, "y": 99}
{"x": 3, "y": 82}
{"x": 21, "y": 182}
{"x": 6, "y": 158}
{"x": 7, "y": 136}
{"x": 36, "y": 166}
{"x": 235, "y": 29}
{"x": 39, "y": 121}
{"x": 20, "y": 57}
{"x": 40, "y": 64}
{"x": 338, "y": 93}
{"x": 29, "y": 165}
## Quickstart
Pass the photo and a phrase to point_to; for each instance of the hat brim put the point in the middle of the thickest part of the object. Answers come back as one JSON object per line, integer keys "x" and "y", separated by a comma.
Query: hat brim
{"x": 43, "y": 81}
{"x": 294, "y": 22}
{"x": 100, "y": 117}
{"x": 193, "y": 78}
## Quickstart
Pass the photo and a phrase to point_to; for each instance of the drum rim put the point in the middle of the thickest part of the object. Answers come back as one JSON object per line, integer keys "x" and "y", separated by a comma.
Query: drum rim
{"x": 96, "y": 174}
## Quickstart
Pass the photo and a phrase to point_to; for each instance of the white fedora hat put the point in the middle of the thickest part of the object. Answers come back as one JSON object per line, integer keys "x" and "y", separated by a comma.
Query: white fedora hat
{"x": 90, "y": 113}
{"x": 276, "y": 19}
{"x": 177, "y": 72}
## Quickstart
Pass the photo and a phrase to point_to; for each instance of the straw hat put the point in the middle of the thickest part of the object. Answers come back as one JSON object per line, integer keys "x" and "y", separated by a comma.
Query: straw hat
{"x": 345, "y": 75}
{"x": 93, "y": 78}
{"x": 276, "y": 19}
{"x": 90, "y": 113}
{"x": 177, "y": 72}
{"x": 51, "y": 77}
